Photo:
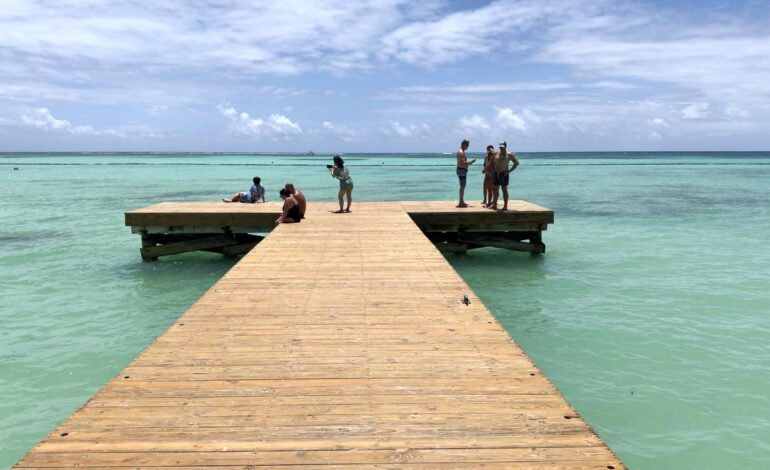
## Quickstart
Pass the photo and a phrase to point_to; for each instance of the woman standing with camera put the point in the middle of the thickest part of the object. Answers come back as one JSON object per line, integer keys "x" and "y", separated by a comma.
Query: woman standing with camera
{"x": 339, "y": 171}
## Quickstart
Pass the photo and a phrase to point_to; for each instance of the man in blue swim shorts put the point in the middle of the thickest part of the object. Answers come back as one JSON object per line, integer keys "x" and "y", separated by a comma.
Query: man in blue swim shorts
{"x": 462, "y": 169}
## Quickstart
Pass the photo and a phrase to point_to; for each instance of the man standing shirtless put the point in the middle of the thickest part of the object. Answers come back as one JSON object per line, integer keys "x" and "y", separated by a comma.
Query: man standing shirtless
{"x": 462, "y": 169}
{"x": 501, "y": 174}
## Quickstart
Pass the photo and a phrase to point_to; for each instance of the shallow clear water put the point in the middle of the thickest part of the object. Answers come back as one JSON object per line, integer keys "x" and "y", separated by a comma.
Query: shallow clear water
{"x": 650, "y": 311}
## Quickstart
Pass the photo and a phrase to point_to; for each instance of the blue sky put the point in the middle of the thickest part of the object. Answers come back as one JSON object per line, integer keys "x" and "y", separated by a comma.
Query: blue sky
{"x": 390, "y": 75}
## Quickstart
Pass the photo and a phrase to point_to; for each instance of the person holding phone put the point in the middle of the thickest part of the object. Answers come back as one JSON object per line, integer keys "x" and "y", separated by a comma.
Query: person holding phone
{"x": 462, "y": 169}
{"x": 339, "y": 171}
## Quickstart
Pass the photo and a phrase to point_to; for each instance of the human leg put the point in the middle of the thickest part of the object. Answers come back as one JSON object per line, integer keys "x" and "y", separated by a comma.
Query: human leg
{"x": 349, "y": 194}
{"x": 236, "y": 198}
{"x": 340, "y": 195}
{"x": 462, "y": 174}
{"x": 505, "y": 198}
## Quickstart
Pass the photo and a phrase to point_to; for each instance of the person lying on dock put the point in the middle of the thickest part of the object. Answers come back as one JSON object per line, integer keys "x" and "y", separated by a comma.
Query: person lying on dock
{"x": 299, "y": 197}
{"x": 252, "y": 196}
{"x": 291, "y": 212}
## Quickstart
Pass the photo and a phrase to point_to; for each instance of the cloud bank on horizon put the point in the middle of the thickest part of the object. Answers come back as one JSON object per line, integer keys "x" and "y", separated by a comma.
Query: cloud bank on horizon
{"x": 388, "y": 75}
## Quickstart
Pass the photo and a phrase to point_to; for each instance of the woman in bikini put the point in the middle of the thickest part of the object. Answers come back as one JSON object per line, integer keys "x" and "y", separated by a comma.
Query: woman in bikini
{"x": 291, "y": 212}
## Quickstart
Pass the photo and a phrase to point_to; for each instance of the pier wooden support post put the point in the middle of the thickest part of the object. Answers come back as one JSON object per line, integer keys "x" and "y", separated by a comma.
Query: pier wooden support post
{"x": 148, "y": 242}
{"x": 538, "y": 247}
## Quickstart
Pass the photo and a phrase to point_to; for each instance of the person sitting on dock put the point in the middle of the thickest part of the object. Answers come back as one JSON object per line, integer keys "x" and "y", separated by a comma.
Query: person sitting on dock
{"x": 501, "y": 174}
{"x": 252, "y": 196}
{"x": 462, "y": 169}
{"x": 291, "y": 212}
{"x": 299, "y": 197}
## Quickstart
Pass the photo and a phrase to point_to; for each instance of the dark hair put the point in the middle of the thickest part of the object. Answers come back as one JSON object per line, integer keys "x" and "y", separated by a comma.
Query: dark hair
{"x": 490, "y": 146}
{"x": 338, "y": 161}
{"x": 257, "y": 179}
{"x": 285, "y": 192}
{"x": 465, "y": 142}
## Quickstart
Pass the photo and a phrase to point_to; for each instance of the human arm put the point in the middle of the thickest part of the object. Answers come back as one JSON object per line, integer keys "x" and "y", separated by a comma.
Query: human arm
{"x": 259, "y": 194}
{"x": 287, "y": 204}
{"x": 514, "y": 160}
{"x": 340, "y": 173}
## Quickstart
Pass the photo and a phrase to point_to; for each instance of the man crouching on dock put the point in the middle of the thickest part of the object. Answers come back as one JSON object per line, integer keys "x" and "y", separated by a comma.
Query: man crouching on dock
{"x": 462, "y": 169}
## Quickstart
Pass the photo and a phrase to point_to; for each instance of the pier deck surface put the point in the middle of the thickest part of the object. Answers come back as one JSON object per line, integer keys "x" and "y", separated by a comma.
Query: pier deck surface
{"x": 217, "y": 214}
{"x": 341, "y": 341}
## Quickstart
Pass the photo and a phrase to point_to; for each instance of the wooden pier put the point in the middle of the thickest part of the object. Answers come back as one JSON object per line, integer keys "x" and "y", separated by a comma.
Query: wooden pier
{"x": 340, "y": 342}
{"x": 171, "y": 228}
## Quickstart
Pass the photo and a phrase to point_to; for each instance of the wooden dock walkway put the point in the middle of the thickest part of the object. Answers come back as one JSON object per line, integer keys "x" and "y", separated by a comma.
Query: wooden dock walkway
{"x": 339, "y": 342}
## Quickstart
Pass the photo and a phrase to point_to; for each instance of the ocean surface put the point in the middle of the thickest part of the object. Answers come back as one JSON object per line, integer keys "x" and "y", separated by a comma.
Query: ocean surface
{"x": 650, "y": 311}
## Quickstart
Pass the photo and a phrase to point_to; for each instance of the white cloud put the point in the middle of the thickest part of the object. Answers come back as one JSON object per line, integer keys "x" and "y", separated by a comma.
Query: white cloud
{"x": 474, "y": 123}
{"x": 275, "y": 126}
{"x": 737, "y": 112}
{"x": 659, "y": 121}
{"x": 494, "y": 87}
{"x": 41, "y": 118}
{"x": 343, "y": 132}
{"x": 695, "y": 111}
{"x": 507, "y": 119}
{"x": 463, "y": 34}
{"x": 409, "y": 130}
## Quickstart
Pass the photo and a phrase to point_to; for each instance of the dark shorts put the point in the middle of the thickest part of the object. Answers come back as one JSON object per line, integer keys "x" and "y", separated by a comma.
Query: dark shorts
{"x": 462, "y": 174}
{"x": 500, "y": 178}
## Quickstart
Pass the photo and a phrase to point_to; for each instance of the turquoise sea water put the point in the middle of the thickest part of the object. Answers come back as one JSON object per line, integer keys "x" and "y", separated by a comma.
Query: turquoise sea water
{"x": 650, "y": 311}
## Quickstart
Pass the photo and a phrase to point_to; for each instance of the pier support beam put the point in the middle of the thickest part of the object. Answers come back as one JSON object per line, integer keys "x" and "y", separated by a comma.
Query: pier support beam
{"x": 228, "y": 244}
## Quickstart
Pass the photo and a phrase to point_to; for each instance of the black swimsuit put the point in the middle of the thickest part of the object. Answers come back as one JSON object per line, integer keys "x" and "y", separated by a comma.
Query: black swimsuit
{"x": 294, "y": 213}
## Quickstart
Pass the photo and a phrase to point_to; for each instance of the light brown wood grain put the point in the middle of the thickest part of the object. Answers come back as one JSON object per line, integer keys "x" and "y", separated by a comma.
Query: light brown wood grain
{"x": 337, "y": 342}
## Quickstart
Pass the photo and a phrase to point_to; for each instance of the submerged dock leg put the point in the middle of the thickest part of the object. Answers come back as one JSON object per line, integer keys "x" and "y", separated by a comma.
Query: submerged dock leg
{"x": 148, "y": 242}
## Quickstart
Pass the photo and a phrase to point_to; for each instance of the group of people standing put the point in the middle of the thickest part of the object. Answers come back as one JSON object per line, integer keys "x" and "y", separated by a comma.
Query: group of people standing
{"x": 496, "y": 172}
{"x": 294, "y": 202}
{"x": 497, "y": 169}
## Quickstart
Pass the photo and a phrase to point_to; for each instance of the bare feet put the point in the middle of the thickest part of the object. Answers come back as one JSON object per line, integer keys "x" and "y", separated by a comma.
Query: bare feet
{"x": 338, "y": 212}
{"x": 462, "y": 204}
{"x": 347, "y": 210}
{"x": 504, "y": 209}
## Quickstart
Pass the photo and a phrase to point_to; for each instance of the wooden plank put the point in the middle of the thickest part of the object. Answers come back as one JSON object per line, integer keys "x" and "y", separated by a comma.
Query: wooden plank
{"x": 338, "y": 342}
